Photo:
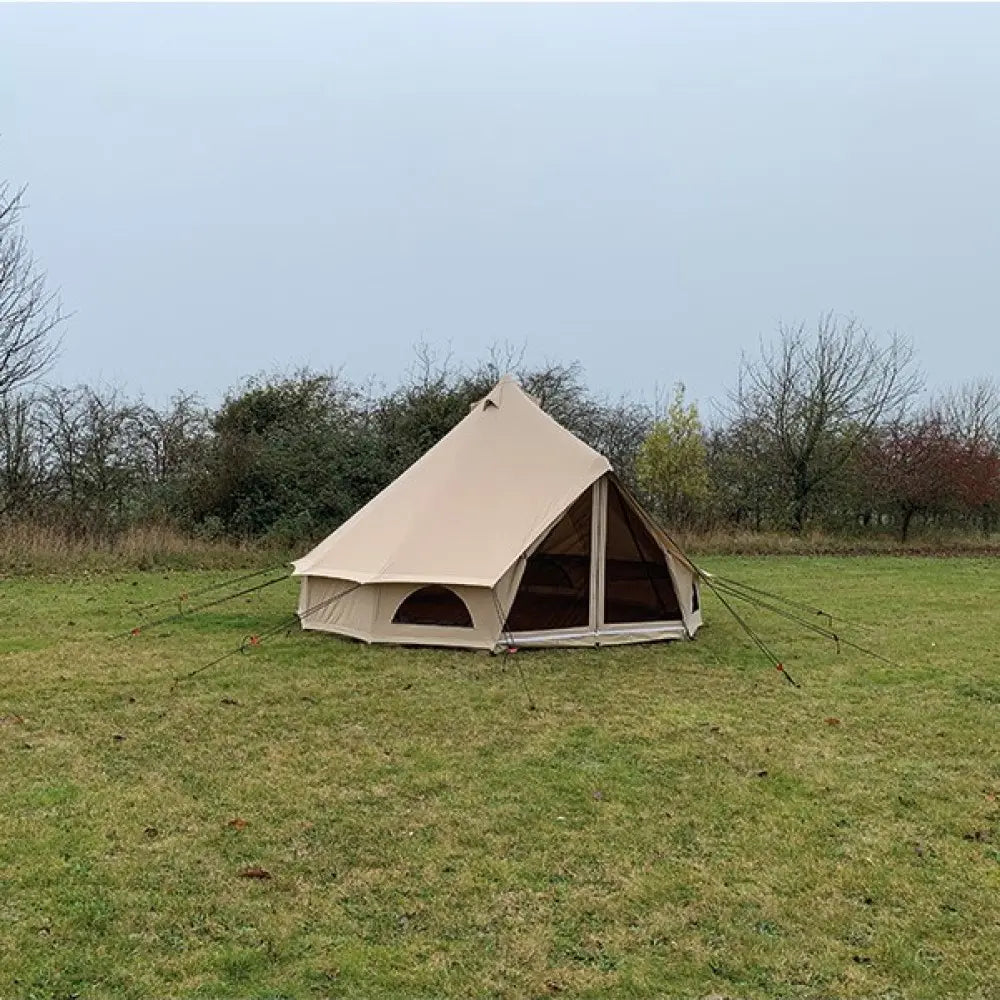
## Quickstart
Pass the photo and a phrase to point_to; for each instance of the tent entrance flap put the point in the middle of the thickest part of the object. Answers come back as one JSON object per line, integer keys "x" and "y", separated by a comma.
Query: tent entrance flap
{"x": 555, "y": 586}
{"x": 637, "y": 582}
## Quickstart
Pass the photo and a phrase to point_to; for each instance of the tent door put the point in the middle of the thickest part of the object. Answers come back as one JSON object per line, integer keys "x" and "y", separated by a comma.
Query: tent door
{"x": 599, "y": 568}
{"x": 638, "y": 585}
{"x": 555, "y": 589}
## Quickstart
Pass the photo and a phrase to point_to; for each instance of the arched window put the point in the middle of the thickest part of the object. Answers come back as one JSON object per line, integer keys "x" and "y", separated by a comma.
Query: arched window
{"x": 434, "y": 605}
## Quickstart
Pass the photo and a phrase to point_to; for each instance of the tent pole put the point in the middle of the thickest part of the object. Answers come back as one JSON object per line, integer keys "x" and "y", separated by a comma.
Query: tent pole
{"x": 598, "y": 542}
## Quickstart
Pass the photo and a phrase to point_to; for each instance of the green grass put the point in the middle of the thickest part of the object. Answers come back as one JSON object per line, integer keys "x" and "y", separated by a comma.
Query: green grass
{"x": 668, "y": 820}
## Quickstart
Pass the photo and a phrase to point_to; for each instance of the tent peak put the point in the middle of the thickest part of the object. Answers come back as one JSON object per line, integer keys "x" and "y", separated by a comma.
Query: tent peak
{"x": 494, "y": 398}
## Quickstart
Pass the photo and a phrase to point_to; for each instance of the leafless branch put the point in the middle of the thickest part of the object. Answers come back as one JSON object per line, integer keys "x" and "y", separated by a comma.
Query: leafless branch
{"x": 29, "y": 313}
{"x": 819, "y": 397}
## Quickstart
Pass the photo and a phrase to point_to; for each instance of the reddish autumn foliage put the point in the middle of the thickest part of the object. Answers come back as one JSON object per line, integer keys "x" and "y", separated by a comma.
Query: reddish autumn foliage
{"x": 920, "y": 467}
{"x": 977, "y": 475}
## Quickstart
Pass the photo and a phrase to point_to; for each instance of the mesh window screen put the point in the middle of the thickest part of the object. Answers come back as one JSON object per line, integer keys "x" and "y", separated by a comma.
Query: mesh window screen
{"x": 555, "y": 588}
{"x": 637, "y": 585}
{"x": 434, "y": 605}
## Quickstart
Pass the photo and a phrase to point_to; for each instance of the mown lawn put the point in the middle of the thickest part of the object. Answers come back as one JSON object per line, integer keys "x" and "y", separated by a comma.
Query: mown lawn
{"x": 671, "y": 820}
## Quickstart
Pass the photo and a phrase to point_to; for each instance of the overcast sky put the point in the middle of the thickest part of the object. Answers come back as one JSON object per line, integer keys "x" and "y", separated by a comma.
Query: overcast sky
{"x": 219, "y": 190}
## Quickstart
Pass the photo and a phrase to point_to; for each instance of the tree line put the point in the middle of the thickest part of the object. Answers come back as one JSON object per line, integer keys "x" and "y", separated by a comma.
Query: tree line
{"x": 830, "y": 428}
{"x": 825, "y": 427}
{"x": 288, "y": 457}
{"x": 285, "y": 456}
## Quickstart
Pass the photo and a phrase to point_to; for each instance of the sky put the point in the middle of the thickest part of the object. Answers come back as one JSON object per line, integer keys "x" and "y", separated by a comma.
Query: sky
{"x": 223, "y": 190}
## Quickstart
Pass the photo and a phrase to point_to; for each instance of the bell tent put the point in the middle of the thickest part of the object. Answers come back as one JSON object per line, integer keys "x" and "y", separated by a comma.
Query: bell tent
{"x": 509, "y": 531}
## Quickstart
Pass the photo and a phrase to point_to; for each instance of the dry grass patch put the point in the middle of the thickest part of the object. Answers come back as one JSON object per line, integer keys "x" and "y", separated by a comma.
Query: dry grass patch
{"x": 31, "y": 548}
{"x": 735, "y": 542}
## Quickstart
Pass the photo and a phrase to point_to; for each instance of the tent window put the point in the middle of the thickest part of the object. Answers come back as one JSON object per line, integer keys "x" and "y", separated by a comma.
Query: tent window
{"x": 694, "y": 597}
{"x": 434, "y": 605}
{"x": 555, "y": 587}
{"x": 637, "y": 585}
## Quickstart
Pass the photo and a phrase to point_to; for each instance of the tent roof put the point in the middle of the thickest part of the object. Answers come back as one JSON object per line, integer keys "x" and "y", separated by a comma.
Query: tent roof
{"x": 468, "y": 508}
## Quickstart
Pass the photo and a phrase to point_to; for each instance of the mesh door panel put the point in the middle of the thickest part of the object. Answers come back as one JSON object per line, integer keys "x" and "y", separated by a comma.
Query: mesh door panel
{"x": 555, "y": 587}
{"x": 637, "y": 585}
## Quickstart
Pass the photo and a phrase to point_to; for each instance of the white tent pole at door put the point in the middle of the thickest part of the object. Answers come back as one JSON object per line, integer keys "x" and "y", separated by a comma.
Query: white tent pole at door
{"x": 598, "y": 544}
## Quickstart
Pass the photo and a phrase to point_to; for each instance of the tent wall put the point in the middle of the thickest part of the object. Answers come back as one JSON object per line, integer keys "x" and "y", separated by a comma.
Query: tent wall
{"x": 366, "y": 612}
{"x": 607, "y": 635}
{"x": 479, "y": 601}
{"x": 337, "y": 606}
{"x": 685, "y": 585}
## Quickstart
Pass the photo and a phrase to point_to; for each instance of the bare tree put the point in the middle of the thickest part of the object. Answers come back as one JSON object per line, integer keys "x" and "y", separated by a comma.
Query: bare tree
{"x": 92, "y": 444}
{"x": 19, "y": 454}
{"x": 168, "y": 438}
{"x": 29, "y": 313}
{"x": 62, "y": 426}
{"x": 971, "y": 412}
{"x": 818, "y": 398}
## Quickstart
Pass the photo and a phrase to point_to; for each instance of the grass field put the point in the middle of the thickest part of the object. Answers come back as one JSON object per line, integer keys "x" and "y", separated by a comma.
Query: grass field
{"x": 670, "y": 820}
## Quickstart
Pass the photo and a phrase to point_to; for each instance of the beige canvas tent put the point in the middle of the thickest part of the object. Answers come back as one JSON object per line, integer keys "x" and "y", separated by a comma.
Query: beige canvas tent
{"x": 509, "y": 531}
